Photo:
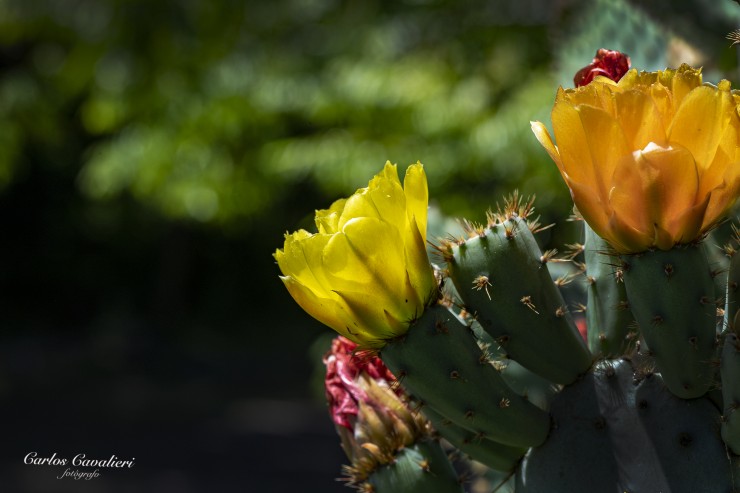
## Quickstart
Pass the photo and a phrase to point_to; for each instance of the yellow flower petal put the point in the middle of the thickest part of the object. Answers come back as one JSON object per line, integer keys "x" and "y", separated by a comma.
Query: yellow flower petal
{"x": 419, "y": 279}
{"x": 381, "y": 199}
{"x": 376, "y": 320}
{"x": 327, "y": 220}
{"x": 301, "y": 258}
{"x": 326, "y": 310}
{"x": 363, "y": 254}
{"x": 417, "y": 196}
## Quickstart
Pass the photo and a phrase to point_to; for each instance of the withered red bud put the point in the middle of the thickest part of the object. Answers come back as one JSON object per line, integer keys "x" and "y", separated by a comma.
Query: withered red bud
{"x": 342, "y": 369}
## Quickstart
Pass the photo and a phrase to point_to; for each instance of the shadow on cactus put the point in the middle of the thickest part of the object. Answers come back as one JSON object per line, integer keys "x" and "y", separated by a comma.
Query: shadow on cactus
{"x": 485, "y": 345}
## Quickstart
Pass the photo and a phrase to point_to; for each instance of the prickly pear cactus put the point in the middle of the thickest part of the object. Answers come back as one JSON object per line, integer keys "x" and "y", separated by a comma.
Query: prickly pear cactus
{"x": 482, "y": 353}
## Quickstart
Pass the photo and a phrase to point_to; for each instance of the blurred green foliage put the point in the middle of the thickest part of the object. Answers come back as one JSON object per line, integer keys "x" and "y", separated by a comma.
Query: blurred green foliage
{"x": 210, "y": 110}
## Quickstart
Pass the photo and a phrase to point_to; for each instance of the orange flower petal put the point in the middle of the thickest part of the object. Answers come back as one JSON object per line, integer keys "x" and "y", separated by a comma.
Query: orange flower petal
{"x": 607, "y": 144}
{"x": 700, "y": 123}
{"x": 640, "y": 119}
{"x": 576, "y": 158}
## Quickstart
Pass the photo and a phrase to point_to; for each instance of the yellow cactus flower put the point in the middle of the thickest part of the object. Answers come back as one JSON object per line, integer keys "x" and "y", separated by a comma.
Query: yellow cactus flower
{"x": 652, "y": 160}
{"x": 365, "y": 273}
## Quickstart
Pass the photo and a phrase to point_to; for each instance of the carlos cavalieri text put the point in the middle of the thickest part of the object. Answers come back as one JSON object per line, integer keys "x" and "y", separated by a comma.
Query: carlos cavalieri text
{"x": 79, "y": 460}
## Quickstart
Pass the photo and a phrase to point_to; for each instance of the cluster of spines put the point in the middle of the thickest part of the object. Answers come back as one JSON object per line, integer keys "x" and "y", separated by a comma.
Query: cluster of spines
{"x": 514, "y": 206}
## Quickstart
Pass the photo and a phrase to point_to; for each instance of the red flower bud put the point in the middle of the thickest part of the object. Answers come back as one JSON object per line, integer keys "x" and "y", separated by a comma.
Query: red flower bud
{"x": 608, "y": 63}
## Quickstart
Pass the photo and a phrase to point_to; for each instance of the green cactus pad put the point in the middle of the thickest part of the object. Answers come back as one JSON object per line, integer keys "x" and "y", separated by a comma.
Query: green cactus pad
{"x": 671, "y": 294}
{"x": 440, "y": 364}
{"x": 529, "y": 385}
{"x": 730, "y": 370}
{"x": 494, "y": 455}
{"x": 502, "y": 278}
{"x": 533, "y": 387}
{"x": 719, "y": 265}
{"x": 611, "y": 325}
{"x": 732, "y": 299}
{"x": 419, "y": 468}
{"x": 615, "y": 432}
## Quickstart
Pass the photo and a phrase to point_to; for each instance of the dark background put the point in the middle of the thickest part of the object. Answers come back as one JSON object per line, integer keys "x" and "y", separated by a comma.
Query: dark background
{"x": 153, "y": 154}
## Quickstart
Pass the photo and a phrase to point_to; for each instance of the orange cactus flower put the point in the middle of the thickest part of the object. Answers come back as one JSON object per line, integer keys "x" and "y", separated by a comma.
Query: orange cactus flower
{"x": 651, "y": 161}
